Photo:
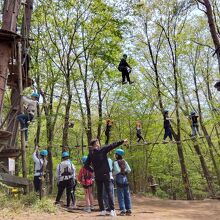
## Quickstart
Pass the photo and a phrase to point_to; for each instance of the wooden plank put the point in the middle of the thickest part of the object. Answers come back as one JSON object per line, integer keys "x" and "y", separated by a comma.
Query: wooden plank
{"x": 3, "y": 167}
{"x": 15, "y": 181}
{"x": 13, "y": 153}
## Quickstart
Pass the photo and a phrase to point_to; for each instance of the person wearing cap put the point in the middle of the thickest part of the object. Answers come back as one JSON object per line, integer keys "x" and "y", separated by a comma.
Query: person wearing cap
{"x": 40, "y": 162}
{"x": 86, "y": 179}
{"x": 27, "y": 117}
{"x": 99, "y": 160}
{"x": 65, "y": 174}
{"x": 194, "y": 123}
{"x": 120, "y": 171}
{"x": 125, "y": 69}
{"x": 167, "y": 126}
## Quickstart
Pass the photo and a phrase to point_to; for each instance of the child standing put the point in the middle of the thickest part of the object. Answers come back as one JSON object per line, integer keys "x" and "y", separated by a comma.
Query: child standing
{"x": 120, "y": 170}
{"x": 167, "y": 126}
{"x": 194, "y": 124}
{"x": 86, "y": 178}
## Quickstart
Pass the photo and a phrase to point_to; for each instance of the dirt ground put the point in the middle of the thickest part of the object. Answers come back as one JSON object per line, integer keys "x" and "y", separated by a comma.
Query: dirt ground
{"x": 143, "y": 209}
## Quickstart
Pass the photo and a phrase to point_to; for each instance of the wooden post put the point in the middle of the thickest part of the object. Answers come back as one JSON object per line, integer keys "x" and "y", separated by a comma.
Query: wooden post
{"x": 5, "y": 50}
{"x": 10, "y": 14}
{"x": 23, "y": 146}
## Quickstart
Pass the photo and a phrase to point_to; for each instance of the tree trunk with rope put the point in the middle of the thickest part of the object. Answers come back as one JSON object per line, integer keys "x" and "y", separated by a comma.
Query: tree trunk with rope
{"x": 212, "y": 27}
{"x": 205, "y": 132}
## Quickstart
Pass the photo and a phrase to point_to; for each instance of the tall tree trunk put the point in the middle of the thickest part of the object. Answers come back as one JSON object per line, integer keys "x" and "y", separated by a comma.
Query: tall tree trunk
{"x": 185, "y": 177}
{"x": 99, "y": 130}
{"x": 213, "y": 28}
{"x": 67, "y": 115}
{"x": 205, "y": 132}
{"x": 89, "y": 117}
{"x": 204, "y": 168}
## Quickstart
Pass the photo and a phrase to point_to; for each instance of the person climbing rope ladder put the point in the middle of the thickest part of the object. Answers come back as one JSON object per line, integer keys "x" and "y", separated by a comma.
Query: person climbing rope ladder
{"x": 26, "y": 117}
{"x": 125, "y": 69}
{"x": 167, "y": 126}
{"x": 108, "y": 130}
{"x": 194, "y": 124}
{"x": 138, "y": 130}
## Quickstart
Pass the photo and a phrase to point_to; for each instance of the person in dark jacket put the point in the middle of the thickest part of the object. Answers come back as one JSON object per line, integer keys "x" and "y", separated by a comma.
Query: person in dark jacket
{"x": 125, "y": 69}
{"x": 99, "y": 160}
{"x": 194, "y": 123}
{"x": 108, "y": 130}
{"x": 167, "y": 126}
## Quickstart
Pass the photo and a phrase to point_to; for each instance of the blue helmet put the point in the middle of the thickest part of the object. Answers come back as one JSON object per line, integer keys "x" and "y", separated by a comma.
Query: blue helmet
{"x": 120, "y": 152}
{"x": 34, "y": 94}
{"x": 44, "y": 153}
{"x": 84, "y": 158}
{"x": 65, "y": 154}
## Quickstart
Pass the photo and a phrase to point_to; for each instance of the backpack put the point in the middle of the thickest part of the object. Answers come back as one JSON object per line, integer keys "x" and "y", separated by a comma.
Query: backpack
{"x": 64, "y": 168}
{"x": 86, "y": 178}
{"x": 122, "y": 165}
{"x": 120, "y": 68}
{"x": 121, "y": 178}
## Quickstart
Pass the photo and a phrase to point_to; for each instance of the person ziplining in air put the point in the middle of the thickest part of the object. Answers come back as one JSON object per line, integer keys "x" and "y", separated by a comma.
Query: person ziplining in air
{"x": 125, "y": 69}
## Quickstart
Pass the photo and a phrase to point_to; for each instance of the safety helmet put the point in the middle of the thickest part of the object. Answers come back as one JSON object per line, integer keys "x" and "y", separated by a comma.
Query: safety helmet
{"x": 165, "y": 111}
{"x": 65, "y": 154}
{"x": 193, "y": 113}
{"x": 84, "y": 158}
{"x": 34, "y": 94}
{"x": 44, "y": 153}
{"x": 120, "y": 152}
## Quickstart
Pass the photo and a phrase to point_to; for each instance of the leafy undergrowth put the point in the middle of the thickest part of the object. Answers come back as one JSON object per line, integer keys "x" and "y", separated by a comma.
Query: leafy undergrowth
{"x": 10, "y": 206}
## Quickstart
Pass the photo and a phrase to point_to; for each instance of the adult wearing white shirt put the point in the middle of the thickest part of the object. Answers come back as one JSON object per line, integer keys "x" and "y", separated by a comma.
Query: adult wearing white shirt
{"x": 40, "y": 162}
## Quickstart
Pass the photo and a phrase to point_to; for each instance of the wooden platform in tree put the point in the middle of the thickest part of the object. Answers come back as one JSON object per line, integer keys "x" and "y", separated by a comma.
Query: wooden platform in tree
{"x": 13, "y": 79}
{"x": 14, "y": 181}
{"x": 4, "y": 137}
{"x": 6, "y": 35}
{"x": 6, "y": 153}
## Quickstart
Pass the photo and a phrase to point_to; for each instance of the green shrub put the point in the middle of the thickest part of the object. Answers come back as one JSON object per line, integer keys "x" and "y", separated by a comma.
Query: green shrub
{"x": 45, "y": 205}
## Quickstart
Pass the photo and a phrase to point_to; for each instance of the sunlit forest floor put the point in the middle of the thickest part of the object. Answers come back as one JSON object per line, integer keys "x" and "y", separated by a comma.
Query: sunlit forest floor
{"x": 143, "y": 209}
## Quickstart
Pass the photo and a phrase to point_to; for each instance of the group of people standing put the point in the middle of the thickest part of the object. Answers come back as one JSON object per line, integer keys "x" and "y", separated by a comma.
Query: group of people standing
{"x": 97, "y": 168}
